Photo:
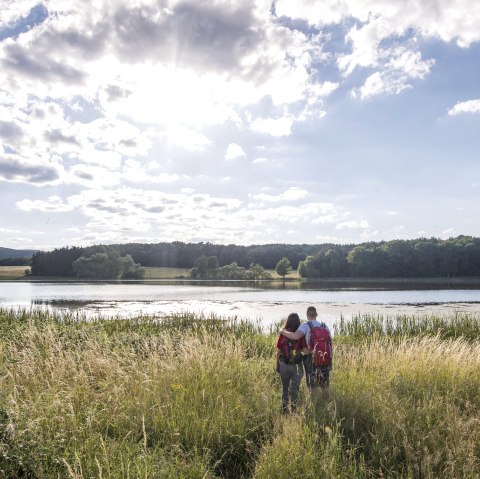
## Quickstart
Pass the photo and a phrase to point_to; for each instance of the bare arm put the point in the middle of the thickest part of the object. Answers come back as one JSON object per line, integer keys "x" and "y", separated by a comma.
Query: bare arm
{"x": 295, "y": 336}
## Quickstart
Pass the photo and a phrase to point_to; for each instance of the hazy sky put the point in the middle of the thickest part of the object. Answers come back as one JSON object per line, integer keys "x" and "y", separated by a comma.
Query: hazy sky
{"x": 238, "y": 121}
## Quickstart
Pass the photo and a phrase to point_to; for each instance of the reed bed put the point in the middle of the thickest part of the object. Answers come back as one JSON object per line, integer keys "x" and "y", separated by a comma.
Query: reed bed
{"x": 197, "y": 397}
{"x": 458, "y": 324}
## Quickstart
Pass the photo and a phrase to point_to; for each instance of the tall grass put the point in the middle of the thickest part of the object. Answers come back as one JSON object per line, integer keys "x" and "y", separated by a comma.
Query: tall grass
{"x": 106, "y": 398}
{"x": 466, "y": 325}
{"x": 411, "y": 405}
{"x": 190, "y": 397}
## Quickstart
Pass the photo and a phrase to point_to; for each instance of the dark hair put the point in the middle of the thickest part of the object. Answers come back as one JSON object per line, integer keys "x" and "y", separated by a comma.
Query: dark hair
{"x": 293, "y": 322}
{"x": 311, "y": 311}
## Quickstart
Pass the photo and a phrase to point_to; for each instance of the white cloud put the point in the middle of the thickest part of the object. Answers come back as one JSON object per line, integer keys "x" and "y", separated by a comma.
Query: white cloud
{"x": 91, "y": 176}
{"x": 133, "y": 213}
{"x": 470, "y": 106}
{"x": 292, "y": 194}
{"x": 273, "y": 126}
{"x": 133, "y": 171}
{"x": 13, "y": 10}
{"x": 395, "y": 75}
{"x": 131, "y": 59}
{"x": 234, "y": 151}
{"x": 457, "y": 20}
{"x": 369, "y": 235}
{"x": 448, "y": 233}
{"x": 186, "y": 138}
{"x": 260, "y": 161}
{"x": 385, "y": 33}
{"x": 53, "y": 204}
{"x": 354, "y": 224}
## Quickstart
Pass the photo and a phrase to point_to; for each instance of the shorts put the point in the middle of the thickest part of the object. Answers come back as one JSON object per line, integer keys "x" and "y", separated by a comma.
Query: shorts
{"x": 316, "y": 375}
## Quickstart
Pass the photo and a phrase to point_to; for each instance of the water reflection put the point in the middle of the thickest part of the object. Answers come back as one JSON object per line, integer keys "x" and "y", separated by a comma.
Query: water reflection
{"x": 268, "y": 302}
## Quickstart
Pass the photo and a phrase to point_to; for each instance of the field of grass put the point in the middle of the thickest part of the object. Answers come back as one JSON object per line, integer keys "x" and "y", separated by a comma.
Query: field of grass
{"x": 151, "y": 273}
{"x": 13, "y": 272}
{"x": 188, "y": 397}
{"x": 166, "y": 273}
{"x": 172, "y": 273}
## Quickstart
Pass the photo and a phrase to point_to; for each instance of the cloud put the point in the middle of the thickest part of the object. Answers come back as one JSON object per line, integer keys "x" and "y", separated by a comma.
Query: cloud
{"x": 13, "y": 11}
{"x": 131, "y": 213}
{"x": 292, "y": 194}
{"x": 379, "y": 19}
{"x": 19, "y": 60}
{"x": 53, "y": 204}
{"x": 273, "y": 126}
{"x": 354, "y": 224}
{"x": 92, "y": 175}
{"x": 10, "y": 131}
{"x": 16, "y": 169}
{"x": 56, "y": 136}
{"x": 260, "y": 161}
{"x": 186, "y": 138}
{"x": 234, "y": 152}
{"x": 448, "y": 233}
{"x": 470, "y": 106}
{"x": 198, "y": 34}
{"x": 395, "y": 76}
{"x": 385, "y": 35}
{"x": 16, "y": 23}
{"x": 235, "y": 53}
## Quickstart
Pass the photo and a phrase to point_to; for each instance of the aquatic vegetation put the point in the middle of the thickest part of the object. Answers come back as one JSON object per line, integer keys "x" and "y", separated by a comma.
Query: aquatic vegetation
{"x": 458, "y": 324}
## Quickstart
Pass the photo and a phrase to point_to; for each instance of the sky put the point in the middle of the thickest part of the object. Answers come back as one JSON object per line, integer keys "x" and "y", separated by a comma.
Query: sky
{"x": 238, "y": 121}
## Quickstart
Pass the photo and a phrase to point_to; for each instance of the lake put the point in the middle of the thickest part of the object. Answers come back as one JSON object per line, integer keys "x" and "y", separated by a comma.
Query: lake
{"x": 267, "y": 305}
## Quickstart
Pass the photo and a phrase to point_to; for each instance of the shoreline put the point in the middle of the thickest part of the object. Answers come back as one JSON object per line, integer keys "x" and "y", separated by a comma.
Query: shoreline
{"x": 293, "y": 283}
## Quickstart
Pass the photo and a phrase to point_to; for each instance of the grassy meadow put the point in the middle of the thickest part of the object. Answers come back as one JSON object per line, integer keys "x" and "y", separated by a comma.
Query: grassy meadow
{"x": 173, "y": 273}
{"x": 189, "y": 397}
{"x": 13, "y": 272}
{"x": 151, "y": 273}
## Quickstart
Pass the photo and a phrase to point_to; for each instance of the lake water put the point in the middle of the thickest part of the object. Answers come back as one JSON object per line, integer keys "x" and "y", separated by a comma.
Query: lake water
{"x": 254, "y": 303}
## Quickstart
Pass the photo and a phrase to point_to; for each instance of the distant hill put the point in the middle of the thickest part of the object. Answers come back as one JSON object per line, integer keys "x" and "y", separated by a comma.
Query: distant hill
{"x": 16, "y": 253}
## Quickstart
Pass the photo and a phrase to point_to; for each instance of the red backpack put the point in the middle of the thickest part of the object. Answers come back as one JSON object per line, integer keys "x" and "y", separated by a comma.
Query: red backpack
{"x": 320, "y": 345}
{"x": 290, "y": 351}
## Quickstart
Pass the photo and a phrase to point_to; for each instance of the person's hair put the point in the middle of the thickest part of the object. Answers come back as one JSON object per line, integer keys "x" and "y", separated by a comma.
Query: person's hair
{"x": 293, "y": 322}
{"x": 311, "y": 311}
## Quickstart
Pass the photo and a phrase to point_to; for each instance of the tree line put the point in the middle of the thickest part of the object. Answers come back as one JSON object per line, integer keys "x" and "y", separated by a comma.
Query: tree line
{"x": 417, "y": 258}
{"x": 423, "y": 257}
{"x": 174, "y": 255}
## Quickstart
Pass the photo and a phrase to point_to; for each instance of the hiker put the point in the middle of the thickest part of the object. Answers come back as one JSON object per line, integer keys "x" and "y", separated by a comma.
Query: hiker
{"x": 318, "y": 360}
{"x": 289, "y": 363}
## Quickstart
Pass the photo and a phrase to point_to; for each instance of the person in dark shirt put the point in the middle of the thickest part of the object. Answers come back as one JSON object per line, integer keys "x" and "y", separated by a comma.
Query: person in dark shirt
{"x": 289, "y": 363}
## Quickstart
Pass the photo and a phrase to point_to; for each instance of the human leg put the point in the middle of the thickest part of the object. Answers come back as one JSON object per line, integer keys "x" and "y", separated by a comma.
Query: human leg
{"x": 286, "y": 372}
{"x": 309, "y": 371}
{"x": 295, "y": 385}
{"x": 323, "y": 380}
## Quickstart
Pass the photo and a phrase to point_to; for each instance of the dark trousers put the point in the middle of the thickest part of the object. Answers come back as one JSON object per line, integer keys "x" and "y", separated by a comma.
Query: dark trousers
{"x": 316, "y": 375}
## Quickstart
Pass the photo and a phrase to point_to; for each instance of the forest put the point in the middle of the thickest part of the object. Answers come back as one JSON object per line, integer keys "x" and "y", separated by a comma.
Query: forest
{"x": 416, "y": 258}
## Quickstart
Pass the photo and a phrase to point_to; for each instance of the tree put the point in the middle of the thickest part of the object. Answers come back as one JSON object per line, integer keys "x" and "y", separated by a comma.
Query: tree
{"x": 302, "y": 269}
{"x": 283, "y": 267}
{"x": 108, "y": 265}
{"x": 131, "y": 270}
{"x": 204, "y": 267}
{"x": 257, "y": 271}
